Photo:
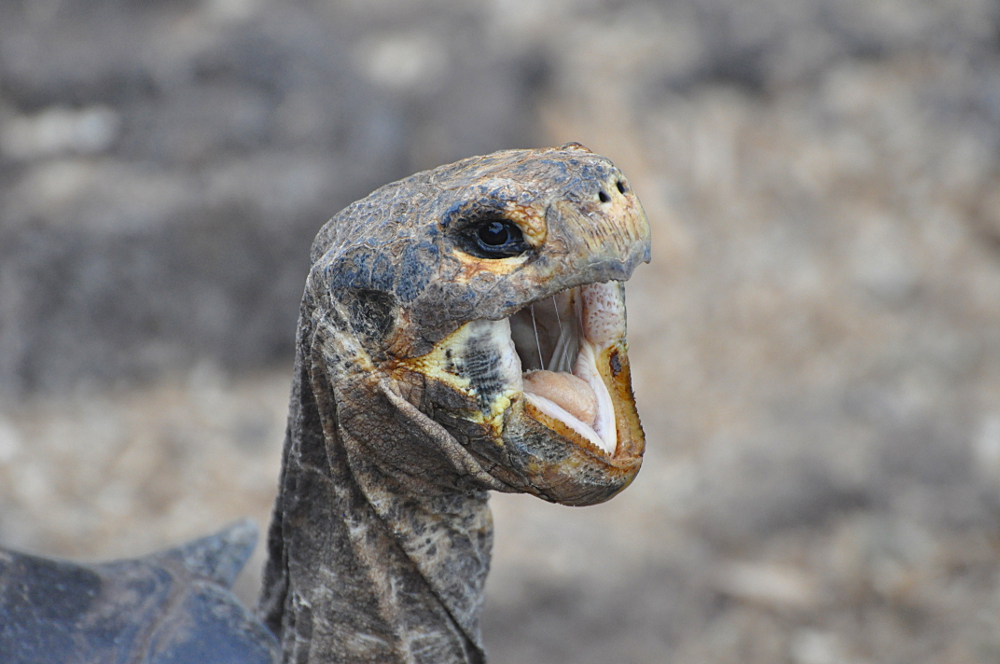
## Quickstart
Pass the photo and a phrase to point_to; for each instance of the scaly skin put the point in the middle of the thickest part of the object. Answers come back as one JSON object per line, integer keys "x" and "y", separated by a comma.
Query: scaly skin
{"x": 404, "y": 413}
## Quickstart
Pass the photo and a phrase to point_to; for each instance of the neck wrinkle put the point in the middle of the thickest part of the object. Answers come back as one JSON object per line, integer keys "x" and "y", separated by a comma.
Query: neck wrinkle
{"x": 447, "y": 541}
{"x": 359, "y": 572}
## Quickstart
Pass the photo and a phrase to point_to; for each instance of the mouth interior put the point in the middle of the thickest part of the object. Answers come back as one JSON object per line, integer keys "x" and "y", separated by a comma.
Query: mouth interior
{"x": 559, "y": 341}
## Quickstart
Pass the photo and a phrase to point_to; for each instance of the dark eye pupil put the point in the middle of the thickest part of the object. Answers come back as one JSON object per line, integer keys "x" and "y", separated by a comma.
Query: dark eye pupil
{"x": 492, "y": 237}
{"x": 494, "y": 233}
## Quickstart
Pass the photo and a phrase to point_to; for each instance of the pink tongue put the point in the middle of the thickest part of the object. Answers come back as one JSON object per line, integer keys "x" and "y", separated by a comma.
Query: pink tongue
{"x": 567, "y": 391}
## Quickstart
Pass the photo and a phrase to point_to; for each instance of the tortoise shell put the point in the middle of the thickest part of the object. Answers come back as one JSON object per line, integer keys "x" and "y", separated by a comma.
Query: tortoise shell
{"x": 172, "y": 607}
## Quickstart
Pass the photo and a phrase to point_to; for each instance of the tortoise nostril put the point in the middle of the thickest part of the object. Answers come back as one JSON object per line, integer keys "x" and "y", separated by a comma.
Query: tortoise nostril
{"x": 603, "y": 195}
{"x": 621, "y": 186}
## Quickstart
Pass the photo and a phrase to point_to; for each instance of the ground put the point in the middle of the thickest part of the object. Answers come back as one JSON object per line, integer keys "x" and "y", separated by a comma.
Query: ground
{"x": 816, "y": 344}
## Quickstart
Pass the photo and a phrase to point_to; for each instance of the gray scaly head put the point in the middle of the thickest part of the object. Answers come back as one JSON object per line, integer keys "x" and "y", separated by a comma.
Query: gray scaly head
{"x": 461, "y": 330}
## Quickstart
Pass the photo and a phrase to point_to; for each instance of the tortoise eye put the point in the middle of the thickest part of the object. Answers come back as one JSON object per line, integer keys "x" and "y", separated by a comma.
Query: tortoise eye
{"x": 494, "y": 234}
{"x": 493, "y": 238}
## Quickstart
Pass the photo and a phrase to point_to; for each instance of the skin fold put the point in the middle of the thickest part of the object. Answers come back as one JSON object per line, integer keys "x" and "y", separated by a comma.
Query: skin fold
{"x": 408, "y": 405}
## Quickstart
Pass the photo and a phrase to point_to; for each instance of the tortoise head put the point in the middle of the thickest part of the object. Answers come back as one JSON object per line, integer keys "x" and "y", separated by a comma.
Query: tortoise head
{"x": 482, "y": 304}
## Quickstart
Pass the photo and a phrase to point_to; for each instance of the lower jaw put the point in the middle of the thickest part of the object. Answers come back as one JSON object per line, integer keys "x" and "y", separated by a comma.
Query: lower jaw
{"x": 559, "y": 469}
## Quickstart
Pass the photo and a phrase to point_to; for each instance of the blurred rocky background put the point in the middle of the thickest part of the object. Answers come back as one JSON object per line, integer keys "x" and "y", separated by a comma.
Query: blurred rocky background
{"x": 816, "y": 344}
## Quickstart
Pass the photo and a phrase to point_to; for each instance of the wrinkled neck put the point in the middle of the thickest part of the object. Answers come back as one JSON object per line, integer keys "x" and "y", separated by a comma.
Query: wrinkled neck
{"x": 363, "y": 568}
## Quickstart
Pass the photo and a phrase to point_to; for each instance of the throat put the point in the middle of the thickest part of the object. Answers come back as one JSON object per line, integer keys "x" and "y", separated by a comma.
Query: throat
{"x": 379, "y": 578}
{"x": 362, "y": 568}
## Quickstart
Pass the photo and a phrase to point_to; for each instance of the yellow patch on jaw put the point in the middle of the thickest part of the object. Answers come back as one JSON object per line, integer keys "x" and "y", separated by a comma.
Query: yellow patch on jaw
{"x": 494, "y": 419}
{"x": 434, "y": 365}
{"x": 442, "y": 365}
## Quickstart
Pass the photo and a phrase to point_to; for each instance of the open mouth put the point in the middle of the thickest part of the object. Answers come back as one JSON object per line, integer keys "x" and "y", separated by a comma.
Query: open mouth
{"x": 570, "y": 348}
{"x": 564, "y": 358}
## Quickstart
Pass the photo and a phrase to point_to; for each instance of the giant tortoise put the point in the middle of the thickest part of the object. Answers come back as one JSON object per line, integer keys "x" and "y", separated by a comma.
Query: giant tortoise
{"x": 462, "y": 330}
